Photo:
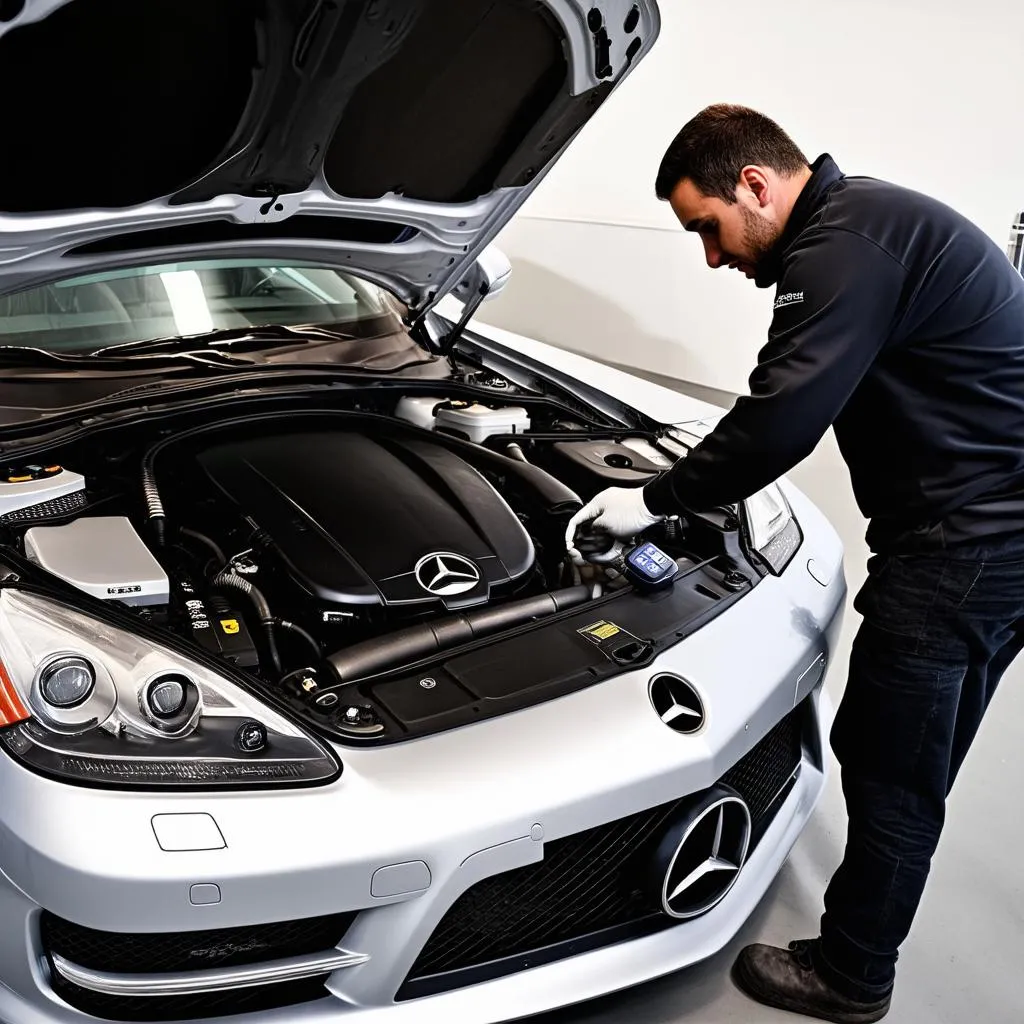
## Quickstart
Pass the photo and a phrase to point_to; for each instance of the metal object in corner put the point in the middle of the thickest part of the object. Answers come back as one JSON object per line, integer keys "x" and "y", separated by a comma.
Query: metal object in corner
{"x": 1015, "y": 247}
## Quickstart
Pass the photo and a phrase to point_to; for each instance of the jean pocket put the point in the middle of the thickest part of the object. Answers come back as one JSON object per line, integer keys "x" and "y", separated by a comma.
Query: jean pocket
{"x": 916, "y": 599}
{"x": 898, "y": 711}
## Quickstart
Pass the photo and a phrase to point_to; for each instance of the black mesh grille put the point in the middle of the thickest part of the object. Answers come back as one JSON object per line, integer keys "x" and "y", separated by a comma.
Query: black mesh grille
{"x": 158, "y": 953}
{"x": 586, "y": 882}
{"x": 594, "y": 881}
{"x": 62, "y": 506}
{"x": 132, "y": 953}
{"x": 763, "y": 773}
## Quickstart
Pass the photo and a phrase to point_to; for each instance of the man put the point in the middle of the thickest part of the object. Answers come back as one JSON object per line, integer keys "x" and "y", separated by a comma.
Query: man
{"x": 901, "y": 324}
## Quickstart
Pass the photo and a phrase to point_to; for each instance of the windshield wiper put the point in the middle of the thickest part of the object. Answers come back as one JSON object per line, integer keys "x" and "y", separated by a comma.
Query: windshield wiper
{"x": 228, "y": 337}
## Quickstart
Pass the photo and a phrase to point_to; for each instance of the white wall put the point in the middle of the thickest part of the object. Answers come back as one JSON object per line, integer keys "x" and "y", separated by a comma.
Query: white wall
{"x": 923, "y": 93}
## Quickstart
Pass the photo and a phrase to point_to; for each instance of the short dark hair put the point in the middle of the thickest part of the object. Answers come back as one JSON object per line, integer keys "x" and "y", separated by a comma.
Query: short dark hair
{"x": 714, "y": 147}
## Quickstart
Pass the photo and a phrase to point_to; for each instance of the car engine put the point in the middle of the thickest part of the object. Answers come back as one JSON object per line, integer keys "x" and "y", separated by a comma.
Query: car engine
{"x": 316, "y": 549}
{"x": 359, "y": 522}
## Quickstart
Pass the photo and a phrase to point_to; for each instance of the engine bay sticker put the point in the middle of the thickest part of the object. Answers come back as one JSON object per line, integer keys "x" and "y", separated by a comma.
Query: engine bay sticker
{"x": 606, "y": 634}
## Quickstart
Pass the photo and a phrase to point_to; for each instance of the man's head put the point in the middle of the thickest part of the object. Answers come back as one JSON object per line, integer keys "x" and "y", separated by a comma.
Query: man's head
{"x": 733, "y": 175}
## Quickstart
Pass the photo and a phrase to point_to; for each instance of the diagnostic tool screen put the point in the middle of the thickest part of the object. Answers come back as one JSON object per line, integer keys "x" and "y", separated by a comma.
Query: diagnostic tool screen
{"x": 651, "y": 562}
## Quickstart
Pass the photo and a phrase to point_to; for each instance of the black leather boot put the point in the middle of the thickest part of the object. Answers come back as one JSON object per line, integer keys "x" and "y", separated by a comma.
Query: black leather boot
{"x": 787, "y": 980}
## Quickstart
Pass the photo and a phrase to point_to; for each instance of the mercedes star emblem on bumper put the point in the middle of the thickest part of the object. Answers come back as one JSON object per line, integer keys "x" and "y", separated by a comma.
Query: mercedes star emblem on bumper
{"x": 701, "y": 856}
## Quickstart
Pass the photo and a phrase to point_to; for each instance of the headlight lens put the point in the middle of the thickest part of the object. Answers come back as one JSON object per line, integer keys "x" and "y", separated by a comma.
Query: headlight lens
{"x": 67, "y": 682}
{"x": 774, "y": 532}
{"x": 167, "y": 696}
{"x": 87, "y": 701}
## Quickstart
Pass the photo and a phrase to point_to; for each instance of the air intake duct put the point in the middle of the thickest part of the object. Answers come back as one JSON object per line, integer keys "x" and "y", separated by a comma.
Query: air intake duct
{"x": 405, "y": 645}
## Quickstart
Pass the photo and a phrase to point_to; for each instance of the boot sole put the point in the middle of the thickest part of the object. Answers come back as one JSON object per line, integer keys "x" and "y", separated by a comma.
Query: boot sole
{"x": 750, "y": 984}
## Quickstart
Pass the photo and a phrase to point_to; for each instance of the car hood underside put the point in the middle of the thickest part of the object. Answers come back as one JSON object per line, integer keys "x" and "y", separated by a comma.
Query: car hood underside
{"x": 395, "y": 137}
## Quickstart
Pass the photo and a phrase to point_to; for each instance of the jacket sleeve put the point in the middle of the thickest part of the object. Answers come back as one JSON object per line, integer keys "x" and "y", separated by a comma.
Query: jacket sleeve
{"x": 836, "y": 305}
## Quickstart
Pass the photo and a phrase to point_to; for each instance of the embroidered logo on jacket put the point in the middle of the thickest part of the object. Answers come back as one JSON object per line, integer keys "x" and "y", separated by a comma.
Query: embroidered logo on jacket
{"x": 789, "y": 299}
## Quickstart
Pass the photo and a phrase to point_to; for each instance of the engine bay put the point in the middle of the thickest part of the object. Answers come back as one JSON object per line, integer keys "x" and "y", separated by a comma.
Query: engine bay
{"x": 366, "y": 564}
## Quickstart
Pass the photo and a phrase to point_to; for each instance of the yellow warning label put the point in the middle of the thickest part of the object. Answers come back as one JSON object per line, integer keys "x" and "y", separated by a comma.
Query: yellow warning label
{"x": 613, "y": 640}
{"x": 229, "y": 625}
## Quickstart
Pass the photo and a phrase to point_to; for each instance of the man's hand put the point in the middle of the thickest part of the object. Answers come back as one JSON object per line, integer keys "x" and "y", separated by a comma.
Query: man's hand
{"x": 620, "y": 511}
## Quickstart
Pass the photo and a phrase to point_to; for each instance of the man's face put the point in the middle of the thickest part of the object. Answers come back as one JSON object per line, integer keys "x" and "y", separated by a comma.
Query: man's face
{"x": 735, "y": 235}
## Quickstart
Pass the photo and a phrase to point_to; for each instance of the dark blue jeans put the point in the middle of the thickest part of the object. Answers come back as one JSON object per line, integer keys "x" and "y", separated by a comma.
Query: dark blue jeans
{"x": 939, "y": 631}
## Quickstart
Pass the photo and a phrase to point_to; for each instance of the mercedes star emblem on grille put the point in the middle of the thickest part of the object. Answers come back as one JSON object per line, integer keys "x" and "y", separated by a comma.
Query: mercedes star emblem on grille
{"x": 444, "y": 574}
{"x": 677, "y": 703}
{"x": 708, "y": 858}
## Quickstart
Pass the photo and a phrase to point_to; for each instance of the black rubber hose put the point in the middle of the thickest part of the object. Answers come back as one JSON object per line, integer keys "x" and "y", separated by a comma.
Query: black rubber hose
{"x": 275, "y": 657}
{"x": 209, "y": 542}
{"x": 415, "y": 642}
{"x": 154, "y": 506}
{"x": 299, "y": 631}
{"x": 229, "y": 579}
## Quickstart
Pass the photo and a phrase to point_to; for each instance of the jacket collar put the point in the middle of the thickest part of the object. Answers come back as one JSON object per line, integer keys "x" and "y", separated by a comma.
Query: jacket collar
{"x": 824, "y": 176}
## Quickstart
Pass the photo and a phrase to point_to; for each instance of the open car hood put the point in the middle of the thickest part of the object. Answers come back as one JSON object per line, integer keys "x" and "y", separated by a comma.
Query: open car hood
{"x": 392, "y": 137}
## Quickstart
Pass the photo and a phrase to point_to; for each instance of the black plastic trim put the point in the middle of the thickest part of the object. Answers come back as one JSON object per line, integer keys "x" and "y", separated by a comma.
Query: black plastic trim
{"x": 633, "y": 612}
{"x": 279, "y": 386}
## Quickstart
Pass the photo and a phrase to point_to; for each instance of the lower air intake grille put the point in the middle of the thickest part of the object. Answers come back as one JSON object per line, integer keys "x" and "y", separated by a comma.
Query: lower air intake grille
{"x": 133, "y": 953}
{"x": 589, "y": 889}
{"x": 158, "y": 953}
{"x": 761, "y": 777}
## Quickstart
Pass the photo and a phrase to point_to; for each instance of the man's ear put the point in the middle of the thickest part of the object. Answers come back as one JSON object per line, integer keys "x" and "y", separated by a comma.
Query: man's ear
{"x": 755, "y": 180}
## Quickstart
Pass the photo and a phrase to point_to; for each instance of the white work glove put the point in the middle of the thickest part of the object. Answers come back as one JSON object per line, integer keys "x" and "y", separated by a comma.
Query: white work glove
{"x": 620, "y": 511}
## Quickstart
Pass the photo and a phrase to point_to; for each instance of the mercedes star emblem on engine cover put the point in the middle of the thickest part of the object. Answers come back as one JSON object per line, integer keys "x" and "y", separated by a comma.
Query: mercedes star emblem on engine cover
{"x": 677, "y": 703}
{"x": 709, "y": 854}
{"x": 445, "y": 574}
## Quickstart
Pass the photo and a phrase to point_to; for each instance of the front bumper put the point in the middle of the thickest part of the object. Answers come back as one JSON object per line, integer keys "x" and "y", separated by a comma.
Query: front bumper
{"x": 408, "y": 829}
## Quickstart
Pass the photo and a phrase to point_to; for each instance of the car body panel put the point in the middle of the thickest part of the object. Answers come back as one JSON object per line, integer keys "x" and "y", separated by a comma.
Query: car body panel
{"x": 94, "y": 859}
{"x": 278, "y": 155}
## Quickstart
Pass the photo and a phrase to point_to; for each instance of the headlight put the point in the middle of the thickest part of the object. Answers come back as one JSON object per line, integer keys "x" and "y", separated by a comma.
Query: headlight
{"x": 87, "y": 701}
{"x": 773, "y": 530}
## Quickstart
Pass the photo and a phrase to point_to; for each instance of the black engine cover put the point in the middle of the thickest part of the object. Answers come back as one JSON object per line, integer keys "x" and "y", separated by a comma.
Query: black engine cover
{"x": 394, "y": 520}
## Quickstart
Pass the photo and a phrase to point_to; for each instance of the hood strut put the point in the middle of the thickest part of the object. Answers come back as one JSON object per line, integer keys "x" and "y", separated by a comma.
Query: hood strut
{"x": 445, "y": 345}
{"x": 449, "y": 341}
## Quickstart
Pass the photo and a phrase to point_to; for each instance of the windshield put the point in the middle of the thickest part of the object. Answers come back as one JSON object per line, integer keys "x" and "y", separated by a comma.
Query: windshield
{"x": 86, "y": 314}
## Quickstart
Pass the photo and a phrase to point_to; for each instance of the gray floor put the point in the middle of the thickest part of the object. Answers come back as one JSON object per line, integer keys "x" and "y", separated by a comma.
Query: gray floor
{"x": 965, "y": 954}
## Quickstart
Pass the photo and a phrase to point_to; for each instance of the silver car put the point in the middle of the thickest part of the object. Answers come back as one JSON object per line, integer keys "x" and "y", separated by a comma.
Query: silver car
{"x": 305, "y": 713}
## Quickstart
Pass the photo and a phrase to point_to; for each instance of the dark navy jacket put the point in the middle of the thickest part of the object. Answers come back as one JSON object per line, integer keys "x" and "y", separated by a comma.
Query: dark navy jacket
{"x": 901, "y": 324}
